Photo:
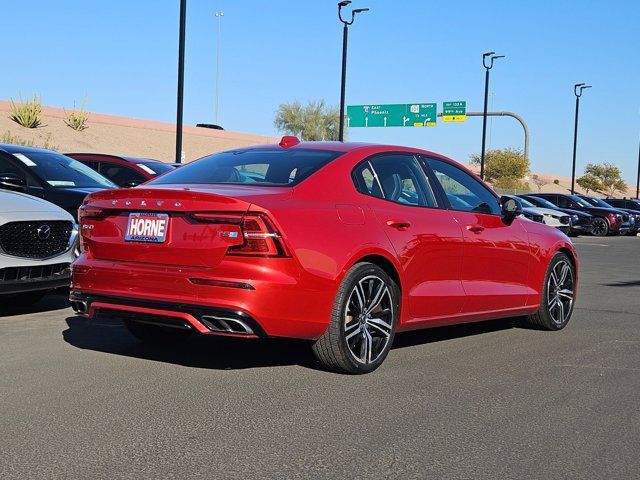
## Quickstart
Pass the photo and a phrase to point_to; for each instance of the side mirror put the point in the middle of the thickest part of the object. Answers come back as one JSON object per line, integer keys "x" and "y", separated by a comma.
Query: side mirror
{"x": 510, "y": 208}
{"x": 12, "y": 181}
{"x": 132, "y": 184}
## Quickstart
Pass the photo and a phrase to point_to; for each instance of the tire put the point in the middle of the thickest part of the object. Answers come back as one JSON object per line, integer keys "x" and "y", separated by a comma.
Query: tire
{"x": 559, "y": 286}
{"x": 600, "y": 227}
{"x": 155, "y": 334}
{"x": 357, "y": 341}
{"x": 21, "y": 300}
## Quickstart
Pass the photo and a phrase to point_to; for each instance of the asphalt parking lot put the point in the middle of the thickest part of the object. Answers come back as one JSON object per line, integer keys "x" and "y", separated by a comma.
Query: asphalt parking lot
{"x": 492, "y": 400}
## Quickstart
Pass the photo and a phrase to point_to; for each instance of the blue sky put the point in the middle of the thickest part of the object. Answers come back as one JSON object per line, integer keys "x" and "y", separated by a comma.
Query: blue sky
{"x": 123, "y": 55}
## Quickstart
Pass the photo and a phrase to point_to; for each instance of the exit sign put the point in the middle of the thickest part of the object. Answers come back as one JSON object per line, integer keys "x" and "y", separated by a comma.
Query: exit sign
{"x": 392, "y": 115}
{"x": 454, "y": 111}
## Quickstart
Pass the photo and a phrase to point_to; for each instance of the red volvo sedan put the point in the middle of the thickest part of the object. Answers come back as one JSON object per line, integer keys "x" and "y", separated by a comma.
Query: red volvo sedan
{"x": 341, "y": 244}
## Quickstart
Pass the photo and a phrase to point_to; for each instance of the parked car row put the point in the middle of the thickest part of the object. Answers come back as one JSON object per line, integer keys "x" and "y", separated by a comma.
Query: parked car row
{"x": 66, "y": 180}
{"x": 40, "y": 193}
{"x": 605, "y": 219}
{"x": 582, "y": 214}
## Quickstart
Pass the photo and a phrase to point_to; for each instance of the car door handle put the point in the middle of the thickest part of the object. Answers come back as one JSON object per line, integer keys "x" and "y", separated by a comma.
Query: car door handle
{"x": 399, "y": 224}
{"x": 475, "y": 228}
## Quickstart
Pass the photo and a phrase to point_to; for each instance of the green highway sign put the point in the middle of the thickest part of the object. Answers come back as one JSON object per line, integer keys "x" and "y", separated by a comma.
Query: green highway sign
{"x": 394, "y": 115}
{"x": 454, "y": 111}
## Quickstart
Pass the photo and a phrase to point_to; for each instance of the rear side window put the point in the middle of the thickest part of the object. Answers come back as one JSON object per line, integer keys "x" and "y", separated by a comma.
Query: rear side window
{"x": 252, "y": 167}
{"x": 397, "y": 178}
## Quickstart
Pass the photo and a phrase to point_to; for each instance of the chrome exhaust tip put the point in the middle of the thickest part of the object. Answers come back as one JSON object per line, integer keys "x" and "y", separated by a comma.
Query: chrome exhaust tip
{"x": 80, "y": 307}
{"x": 226, "y": 324}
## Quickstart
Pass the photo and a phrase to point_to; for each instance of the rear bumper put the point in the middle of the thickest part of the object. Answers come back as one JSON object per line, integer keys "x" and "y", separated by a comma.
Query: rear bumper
{"x": 204, "y": 320}
{"x": 274, "y": 296}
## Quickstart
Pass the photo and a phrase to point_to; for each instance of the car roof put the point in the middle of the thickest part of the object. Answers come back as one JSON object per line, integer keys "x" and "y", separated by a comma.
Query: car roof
{"x": 348, "y": 147}
{"x": 343, "y": 147}
{"x": 10, "y": 148}
{"x": 120, "y": 157}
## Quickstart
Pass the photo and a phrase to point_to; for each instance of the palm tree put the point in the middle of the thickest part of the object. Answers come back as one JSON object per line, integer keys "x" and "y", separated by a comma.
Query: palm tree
{"x": 312, "y": 122}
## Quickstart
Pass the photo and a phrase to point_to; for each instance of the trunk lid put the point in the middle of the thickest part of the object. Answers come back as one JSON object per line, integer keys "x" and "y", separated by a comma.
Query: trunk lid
{"x": 190, "y": 238}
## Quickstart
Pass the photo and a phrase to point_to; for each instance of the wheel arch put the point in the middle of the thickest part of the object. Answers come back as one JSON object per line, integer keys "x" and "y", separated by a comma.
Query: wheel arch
{"x": 386, "y": 265}
{"x": 380, "y": 258}
{"x": 570, "y": 251}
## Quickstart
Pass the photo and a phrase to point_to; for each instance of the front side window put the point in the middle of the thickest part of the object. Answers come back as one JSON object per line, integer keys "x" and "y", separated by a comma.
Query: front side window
{"x": 253, "y": 167}
{"x": 463, "y": 191}
{"x": 397, "y": 178}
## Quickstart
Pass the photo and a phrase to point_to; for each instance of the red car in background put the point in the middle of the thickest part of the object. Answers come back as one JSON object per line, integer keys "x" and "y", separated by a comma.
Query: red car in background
{"x": 341, "y": 244}
{"x": 121, "y": 170}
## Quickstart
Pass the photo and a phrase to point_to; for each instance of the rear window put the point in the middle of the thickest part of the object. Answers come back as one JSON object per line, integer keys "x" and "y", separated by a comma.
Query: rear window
{"x": 252, "y": 167}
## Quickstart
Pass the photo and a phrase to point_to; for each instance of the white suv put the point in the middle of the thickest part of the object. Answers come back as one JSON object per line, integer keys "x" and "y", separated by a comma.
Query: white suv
{"x": 38, "y": 242}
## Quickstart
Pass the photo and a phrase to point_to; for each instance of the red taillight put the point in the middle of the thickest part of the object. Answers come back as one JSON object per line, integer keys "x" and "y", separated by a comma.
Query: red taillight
{"x": 87, "y": 211}
{"x": 261, "y": 238}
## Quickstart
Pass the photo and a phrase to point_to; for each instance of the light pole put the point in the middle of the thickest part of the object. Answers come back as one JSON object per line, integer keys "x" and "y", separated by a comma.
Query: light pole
{"x": 183, "y": 25}
{"x": 638, "y": 180}
{"x": 577, "y": 91}
{"x": 487, "y": 61}
{"x": 219, "y": 16}
{"x": 345, "y": 33}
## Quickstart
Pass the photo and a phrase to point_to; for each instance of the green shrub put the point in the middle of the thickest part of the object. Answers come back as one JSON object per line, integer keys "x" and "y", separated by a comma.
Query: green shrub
{"x": 77, "y": 119}
{"x": 28, "y": 114}
{"x": 8, "y": 137}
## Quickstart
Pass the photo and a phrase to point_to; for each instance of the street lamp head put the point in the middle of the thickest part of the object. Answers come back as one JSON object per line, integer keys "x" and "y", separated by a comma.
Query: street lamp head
{"x": 353, "y": 12}
{"x": 220, "y": 14}
{"x": 488, "y": 58}
{"x": 579, "y": 87}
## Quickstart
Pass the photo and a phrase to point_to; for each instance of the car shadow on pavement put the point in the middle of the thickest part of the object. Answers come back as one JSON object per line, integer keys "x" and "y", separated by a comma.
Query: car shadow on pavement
{"x": 58, "y": 300}
{"x": 630, "y": 283}
{"x": 441, "y": 334}
{"x": 109, "y": 335}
